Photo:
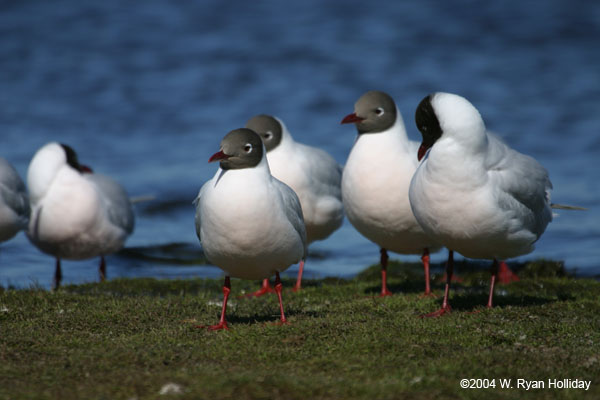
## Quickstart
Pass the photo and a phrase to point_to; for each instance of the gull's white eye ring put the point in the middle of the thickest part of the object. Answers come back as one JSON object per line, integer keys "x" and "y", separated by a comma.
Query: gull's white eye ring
{"x": 379, "y": 111}
{"x": 248, "y": 148}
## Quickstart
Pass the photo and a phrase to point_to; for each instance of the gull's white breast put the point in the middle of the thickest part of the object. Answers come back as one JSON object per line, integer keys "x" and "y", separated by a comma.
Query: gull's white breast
{"x": 249, "y": 223}
{"x": 375, "y": 185}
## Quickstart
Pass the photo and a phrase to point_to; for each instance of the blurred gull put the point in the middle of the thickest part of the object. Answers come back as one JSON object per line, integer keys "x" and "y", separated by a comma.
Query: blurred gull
{"x": 76, "y": 213}
{"x": 14, "y": 204}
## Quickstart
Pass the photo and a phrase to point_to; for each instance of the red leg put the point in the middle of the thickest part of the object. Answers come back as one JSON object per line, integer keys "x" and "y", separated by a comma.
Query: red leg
{"x": 494, "y": 271}
{"x": 298, "y": 285}
{"x": 102, "y": 269}
{"x": 57, "y": 275}
{"x": 222, "y": 322}
{"x": 278, "y": 288}
{"x": 384, "y": 262}
{"x": 505, "y": 275}
{"x": 445, "y": 305}
{"x": 425, "y": 259}
{"x": 265, "y": 288}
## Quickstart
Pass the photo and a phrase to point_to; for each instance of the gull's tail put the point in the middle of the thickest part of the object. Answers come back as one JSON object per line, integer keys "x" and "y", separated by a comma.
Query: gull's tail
{"x": 567, "y": 207}
{"x": 142, "y": 199}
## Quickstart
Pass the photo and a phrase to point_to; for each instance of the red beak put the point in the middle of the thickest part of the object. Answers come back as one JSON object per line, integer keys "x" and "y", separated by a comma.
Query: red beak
{"x": 219, "y": 155}
{"x": 422, "y": 150}
{"x": 85, "y": 169}
{"x": 352, "y": 119}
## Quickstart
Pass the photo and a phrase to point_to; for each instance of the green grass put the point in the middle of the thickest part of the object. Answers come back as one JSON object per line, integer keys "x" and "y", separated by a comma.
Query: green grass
{"x": 126, "y": 339}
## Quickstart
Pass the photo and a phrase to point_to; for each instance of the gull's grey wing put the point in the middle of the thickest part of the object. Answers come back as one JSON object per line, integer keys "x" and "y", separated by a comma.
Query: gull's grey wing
{"x": 521, "y": 181}
{"x": 118, "y": 205}
{"x": 292, "y": 209}
{"x": 13, "y": 192}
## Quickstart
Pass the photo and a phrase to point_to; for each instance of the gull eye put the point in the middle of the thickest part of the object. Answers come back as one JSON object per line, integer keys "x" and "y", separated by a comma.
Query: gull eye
{"x": 379, "y": 111}
{"x": 248, "y": 148}
{"x": 268, "y": 135}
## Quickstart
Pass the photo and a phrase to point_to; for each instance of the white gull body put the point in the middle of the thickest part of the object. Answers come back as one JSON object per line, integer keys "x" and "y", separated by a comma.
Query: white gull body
{"x": 75, "y": 215}
{"x": 14, "y": 204}
{"x": 316, "y": 177}
{"x": 250, "y": 224}
{"x": 375, "y": 185}
{"x": 473, "y": 193}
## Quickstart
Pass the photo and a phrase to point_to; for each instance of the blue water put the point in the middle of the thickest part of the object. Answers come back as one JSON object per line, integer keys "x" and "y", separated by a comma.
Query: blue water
{"x": 145, "y": 93}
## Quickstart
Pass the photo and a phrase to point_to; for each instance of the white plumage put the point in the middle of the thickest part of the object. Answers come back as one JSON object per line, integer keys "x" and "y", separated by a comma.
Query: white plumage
{"x": 472, "y": 192}
{"x": 316, "y": 177}
{"x": 376, "y": 180}
{"x": 75, "y": 214}
{"x": 250, "y": 224}
{"x": 475, "y": 194}
{"x": 375, "y": 190}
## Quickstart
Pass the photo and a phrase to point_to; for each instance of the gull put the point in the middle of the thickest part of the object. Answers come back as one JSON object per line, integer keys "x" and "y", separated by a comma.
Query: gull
{"x": 249, "y": 223}
{"x": 376, "y": 179}
{"x": 75, "y": 213}
{"x": 472, "y": 192}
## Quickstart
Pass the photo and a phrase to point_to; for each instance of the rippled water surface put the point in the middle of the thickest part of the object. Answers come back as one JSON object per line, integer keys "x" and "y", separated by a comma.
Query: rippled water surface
{"x": 145, "y": 93}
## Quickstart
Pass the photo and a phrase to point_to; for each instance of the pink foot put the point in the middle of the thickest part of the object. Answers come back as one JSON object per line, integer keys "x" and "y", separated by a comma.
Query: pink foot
{"x": 261, "y": 292}
{"x": 298, "y": 284}
{"x": 430, "y": 295}
{"x": 265, "y": 289}
{"x": 438, "y": 313}
{"x": 278, "y": 287}
{"x": 217, "y": 327}
{"x": 384, "y": 262}
{"x": 279, "y": 323}
{"x": 505, "y": 274}
{"x": 222, "y": 321}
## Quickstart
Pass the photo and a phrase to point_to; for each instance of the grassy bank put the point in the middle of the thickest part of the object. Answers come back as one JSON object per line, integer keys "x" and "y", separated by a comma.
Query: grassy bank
{"x": 129, "y": 338}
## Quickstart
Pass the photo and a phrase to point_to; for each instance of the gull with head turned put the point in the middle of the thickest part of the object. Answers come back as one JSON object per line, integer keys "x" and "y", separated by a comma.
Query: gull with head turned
{"x": 75, "y": 213}
{"x": 472, "y": 192}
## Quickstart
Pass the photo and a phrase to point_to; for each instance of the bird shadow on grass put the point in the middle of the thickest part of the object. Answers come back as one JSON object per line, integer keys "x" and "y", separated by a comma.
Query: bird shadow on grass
{"x": 262, "y": 318}
{"x": 405, "y": 287}
{"x": 471, "y": 276}
{"x": 471, "y": 301}
{"x": 313, "y": 283}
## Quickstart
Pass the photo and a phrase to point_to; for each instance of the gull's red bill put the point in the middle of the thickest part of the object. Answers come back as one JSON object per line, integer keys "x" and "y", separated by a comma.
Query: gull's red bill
{"x": 352, "y": 119}
{"x": 422, "y": 150}
{"x": 218, "y": 156}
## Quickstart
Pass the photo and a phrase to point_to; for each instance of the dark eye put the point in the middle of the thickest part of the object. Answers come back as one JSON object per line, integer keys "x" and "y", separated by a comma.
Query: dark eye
{"x": 379, "y": 111}
{"x": 268, "y": 135}
{"x": 248, "y": 148}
